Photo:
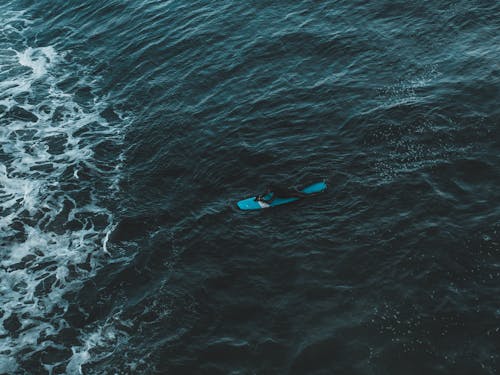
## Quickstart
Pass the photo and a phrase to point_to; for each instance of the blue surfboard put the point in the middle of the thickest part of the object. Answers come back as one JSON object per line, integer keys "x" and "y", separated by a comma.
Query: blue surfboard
{"x": 252, "y": 204}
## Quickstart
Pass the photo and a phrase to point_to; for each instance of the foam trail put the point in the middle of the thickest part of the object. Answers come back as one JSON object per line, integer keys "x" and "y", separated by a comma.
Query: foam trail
{"x": 54, "y": 225}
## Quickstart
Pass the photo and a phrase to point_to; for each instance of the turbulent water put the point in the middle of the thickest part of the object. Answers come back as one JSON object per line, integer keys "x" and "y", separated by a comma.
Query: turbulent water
{"x": 129, "y": 130}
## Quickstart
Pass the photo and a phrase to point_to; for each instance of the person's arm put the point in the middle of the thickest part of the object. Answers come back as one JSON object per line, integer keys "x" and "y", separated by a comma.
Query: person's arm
{"x": 271, "y": 199}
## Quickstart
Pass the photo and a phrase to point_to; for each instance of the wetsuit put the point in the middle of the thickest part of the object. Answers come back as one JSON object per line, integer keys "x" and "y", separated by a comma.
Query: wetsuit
{"x": 280, "y": 192}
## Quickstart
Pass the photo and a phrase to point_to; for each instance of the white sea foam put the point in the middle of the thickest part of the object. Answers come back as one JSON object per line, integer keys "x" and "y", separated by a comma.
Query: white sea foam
{"x": 41, "y": 163}
{"x": 104, "y": 339}
{"x": 38, "y": 59}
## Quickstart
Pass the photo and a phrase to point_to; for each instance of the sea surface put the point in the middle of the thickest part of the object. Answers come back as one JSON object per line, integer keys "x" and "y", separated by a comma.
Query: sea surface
{"x": 130, "y": 129}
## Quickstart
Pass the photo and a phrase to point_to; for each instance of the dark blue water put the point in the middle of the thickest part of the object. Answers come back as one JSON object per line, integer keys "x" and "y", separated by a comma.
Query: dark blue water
{"x": 129, "y": 130}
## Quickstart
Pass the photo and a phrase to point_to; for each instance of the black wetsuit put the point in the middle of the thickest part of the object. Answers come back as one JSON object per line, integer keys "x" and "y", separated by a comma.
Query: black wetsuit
{"x": 280, "y": 192}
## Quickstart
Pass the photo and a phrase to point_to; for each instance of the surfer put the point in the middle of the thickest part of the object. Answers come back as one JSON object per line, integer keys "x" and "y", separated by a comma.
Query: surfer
{"x": 279, "y": 192}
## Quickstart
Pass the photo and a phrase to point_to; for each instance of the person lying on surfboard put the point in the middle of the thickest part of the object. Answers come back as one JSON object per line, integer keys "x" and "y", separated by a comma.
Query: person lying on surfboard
{"x": 277, "y": 195}
{"x": 279, "y": 192}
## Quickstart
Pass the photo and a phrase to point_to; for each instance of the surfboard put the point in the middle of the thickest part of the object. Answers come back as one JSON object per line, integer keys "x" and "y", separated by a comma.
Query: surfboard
{"x": 252, "y": 204}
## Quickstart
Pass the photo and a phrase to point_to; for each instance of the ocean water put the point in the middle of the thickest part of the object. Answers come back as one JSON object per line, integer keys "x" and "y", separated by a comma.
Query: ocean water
{"x": 129, "y": 130}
